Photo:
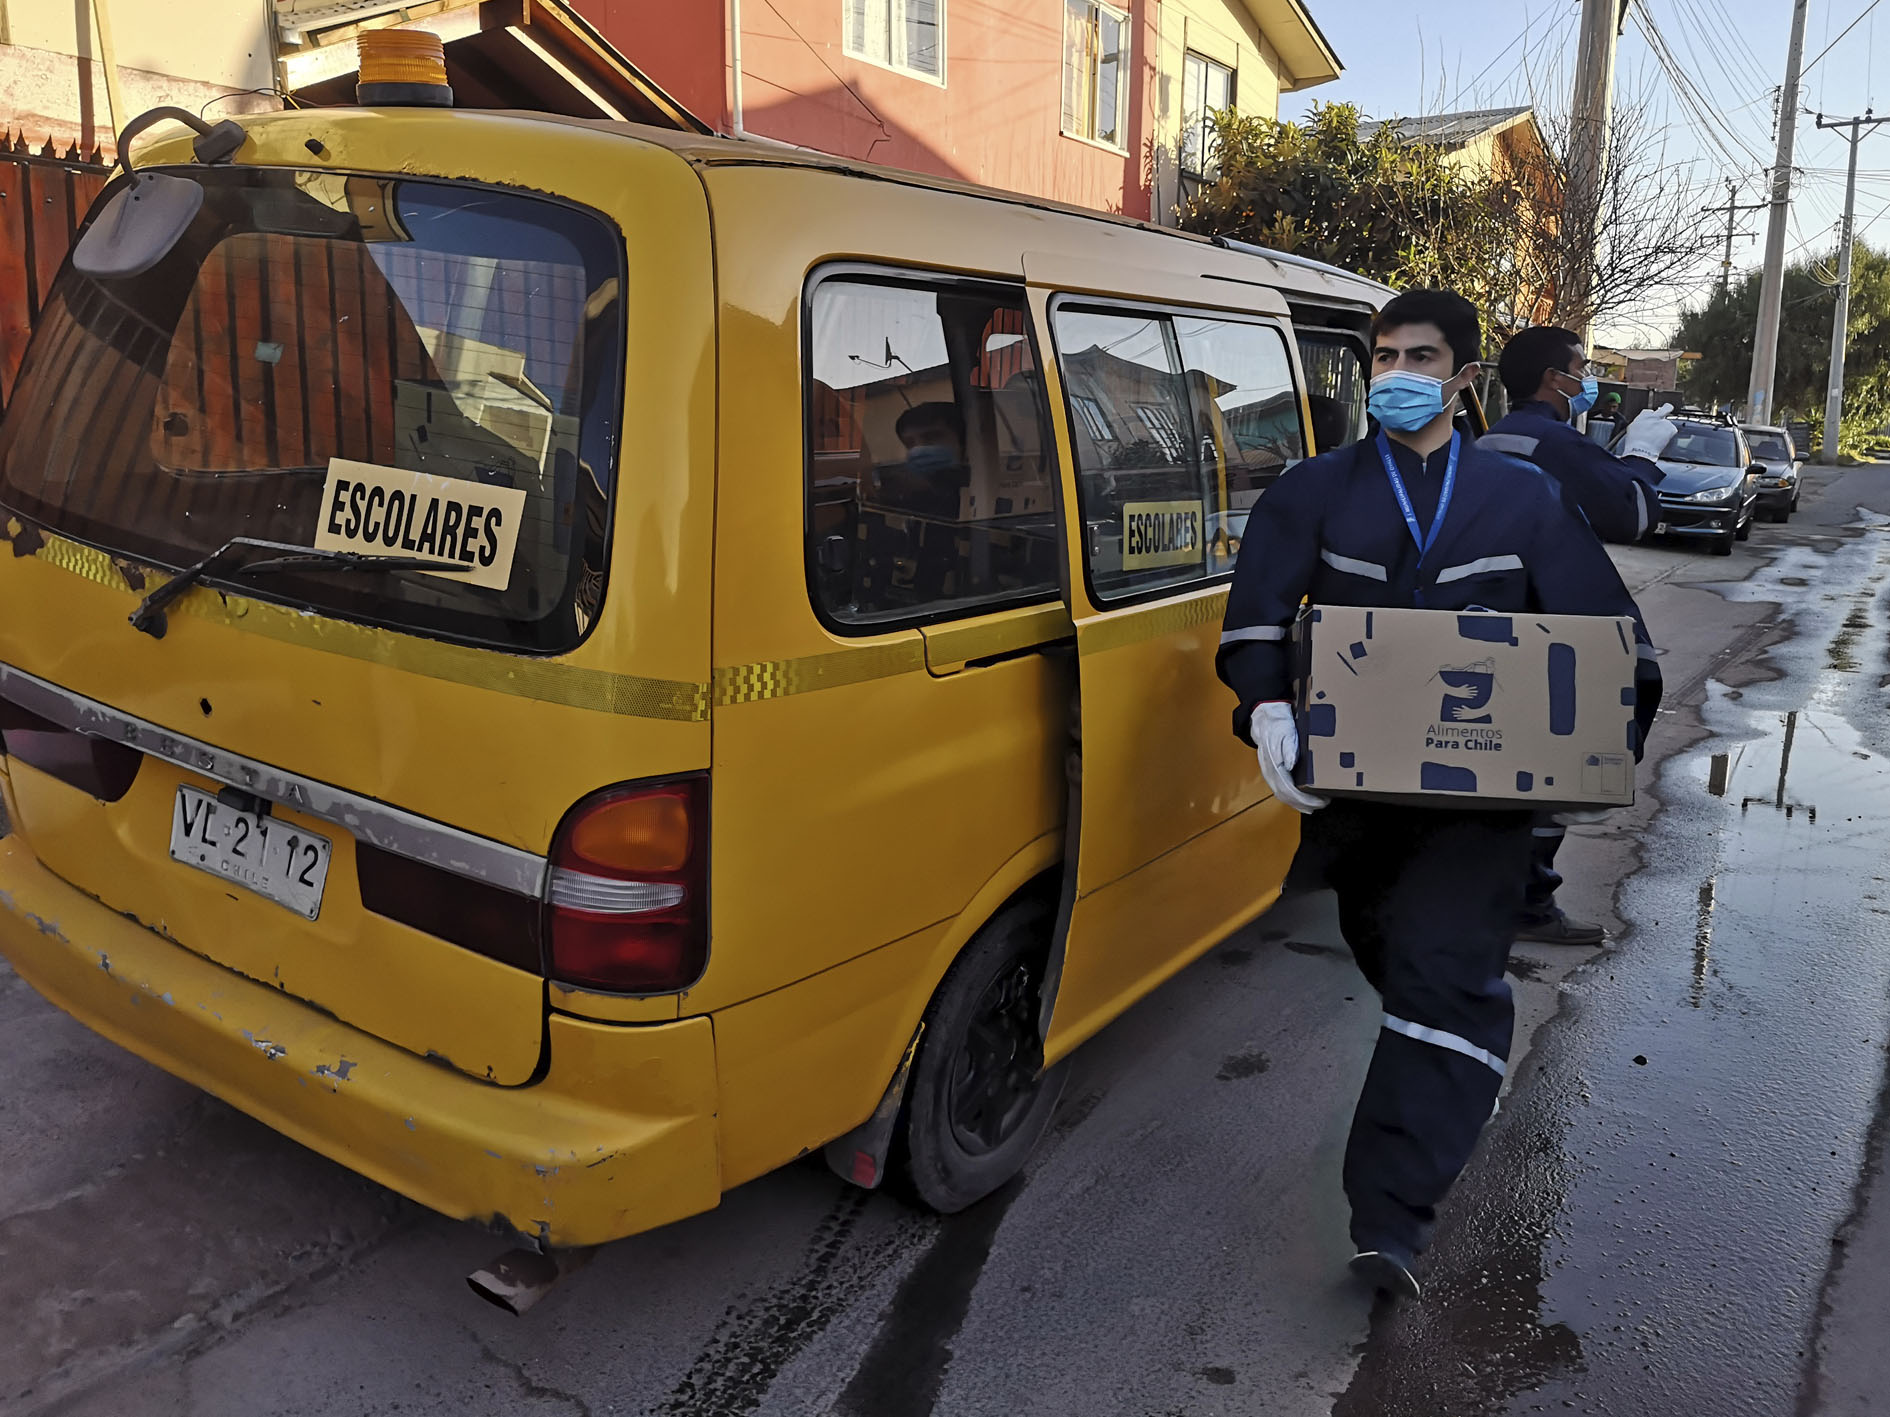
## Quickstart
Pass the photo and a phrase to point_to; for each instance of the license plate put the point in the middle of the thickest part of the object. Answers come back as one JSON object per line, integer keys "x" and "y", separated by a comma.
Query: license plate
{"x": 1660, "y": 528}
{"x": 275, "y": 860}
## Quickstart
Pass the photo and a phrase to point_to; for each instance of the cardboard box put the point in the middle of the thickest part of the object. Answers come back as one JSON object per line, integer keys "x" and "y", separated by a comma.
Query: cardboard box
{"x": 1449, "y": 708}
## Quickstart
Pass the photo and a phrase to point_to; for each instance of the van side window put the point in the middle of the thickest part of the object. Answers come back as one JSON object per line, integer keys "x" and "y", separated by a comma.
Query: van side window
{"x": 1240, "y": 383}
{"x": 1179, "y": 423}
{"x": 928, "y": 490}
{"x": 1335, "y": 388}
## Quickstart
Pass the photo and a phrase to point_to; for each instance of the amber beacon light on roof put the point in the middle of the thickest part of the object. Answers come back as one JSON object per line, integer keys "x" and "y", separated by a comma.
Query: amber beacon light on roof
{"x": 402, "y": 69}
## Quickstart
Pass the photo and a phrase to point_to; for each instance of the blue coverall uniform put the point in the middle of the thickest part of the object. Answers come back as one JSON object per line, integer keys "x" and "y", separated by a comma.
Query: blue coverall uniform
{"x": 1616, "y": 497}
{"x": 1427, "y": 896}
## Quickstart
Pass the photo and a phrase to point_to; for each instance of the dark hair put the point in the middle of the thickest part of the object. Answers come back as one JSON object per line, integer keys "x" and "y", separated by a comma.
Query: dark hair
{"x": 931, "y": 415}
{"x": 1447, "y": 310}
{"x": 1531, "y": 354}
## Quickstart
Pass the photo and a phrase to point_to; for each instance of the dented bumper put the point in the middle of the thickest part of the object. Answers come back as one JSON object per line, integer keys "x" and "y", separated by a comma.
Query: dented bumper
{"x": 619, "y": 1135}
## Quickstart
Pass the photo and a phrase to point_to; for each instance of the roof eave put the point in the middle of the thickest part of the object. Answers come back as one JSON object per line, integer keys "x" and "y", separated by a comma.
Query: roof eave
{"x": 1303, "y": 50}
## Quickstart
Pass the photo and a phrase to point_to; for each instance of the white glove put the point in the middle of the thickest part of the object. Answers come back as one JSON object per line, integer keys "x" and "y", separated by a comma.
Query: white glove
{"x": 1276, "y": 732}
{"x": 1648, "y": 435}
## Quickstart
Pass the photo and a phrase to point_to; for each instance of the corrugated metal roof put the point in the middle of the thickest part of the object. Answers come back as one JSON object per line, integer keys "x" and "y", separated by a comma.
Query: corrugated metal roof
{"x": 1449, "y": 130}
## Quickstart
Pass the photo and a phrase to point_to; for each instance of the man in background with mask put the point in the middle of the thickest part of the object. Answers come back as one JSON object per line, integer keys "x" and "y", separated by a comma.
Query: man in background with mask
{"x": 1416, "y": 516}
{"x": 1550, "y": 383}
{"x": 933, "y": 474}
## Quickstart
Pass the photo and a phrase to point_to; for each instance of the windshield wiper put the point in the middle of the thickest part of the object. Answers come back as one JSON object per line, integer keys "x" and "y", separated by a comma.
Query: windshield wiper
{"x": 150, "y": 617}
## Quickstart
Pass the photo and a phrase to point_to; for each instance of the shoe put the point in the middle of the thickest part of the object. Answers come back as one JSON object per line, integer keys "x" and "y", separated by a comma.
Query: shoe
{"x": 1388, "y": 1271}
{"x": 1561, "y": 931}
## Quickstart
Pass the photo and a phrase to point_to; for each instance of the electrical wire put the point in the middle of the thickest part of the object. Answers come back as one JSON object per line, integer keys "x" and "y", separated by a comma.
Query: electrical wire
{"x": 1703, "y": 119}
{"x": 1841, "y": 33}
{"x": 1738, "y": 35}
{"x": 1522, "y": 38}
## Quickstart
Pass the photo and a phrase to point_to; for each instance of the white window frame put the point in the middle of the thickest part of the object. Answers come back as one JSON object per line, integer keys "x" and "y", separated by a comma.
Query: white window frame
{"x": 1198, "y": 121}
{"x": 1163, "y": 431}
{"x": 1094, "y": 419}
{"x": 894, "y": 10}
{"x": 1125, "y": 69}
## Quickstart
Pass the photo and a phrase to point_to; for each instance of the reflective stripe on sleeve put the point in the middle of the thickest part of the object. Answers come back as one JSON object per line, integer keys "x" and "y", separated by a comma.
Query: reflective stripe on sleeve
{"x": 1515, "y": 444}
{"x": 1640, "y": 512}
{"x": 1352, "y": 567}
{"x": 1645, "y": 651}
{"x": 1477, "y": 568}
{"x": 1549, "y": 831}
{"x": 1440, "y": 1039}
{"x": 1252, "y": 632}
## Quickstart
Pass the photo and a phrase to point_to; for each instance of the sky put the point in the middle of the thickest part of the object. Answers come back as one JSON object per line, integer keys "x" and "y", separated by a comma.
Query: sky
{"x": 1434, "y": 56}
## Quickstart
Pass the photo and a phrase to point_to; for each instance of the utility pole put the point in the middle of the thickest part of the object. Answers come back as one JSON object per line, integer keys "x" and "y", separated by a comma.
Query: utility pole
{"x": 1772, "y": 286}
{"x": 1732, "y": 207}
{"x": 1591, "y": 112}
{"x": 1840, "y": 323}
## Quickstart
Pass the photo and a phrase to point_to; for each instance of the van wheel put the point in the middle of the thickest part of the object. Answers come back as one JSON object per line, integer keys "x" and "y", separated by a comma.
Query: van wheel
{"x": 980, "y": 1098}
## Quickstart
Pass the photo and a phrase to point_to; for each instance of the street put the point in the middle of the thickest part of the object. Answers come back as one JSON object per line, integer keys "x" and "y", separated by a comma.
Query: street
{"x": 1678, "y": 1208}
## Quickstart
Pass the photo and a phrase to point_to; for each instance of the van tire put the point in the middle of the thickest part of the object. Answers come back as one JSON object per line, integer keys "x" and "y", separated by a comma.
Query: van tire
{"x": 950, "y": 1154}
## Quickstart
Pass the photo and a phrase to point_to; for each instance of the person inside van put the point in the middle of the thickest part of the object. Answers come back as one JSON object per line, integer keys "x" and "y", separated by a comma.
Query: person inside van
{"x": 932, "y": 477}
{"x": 1416, "y": 517}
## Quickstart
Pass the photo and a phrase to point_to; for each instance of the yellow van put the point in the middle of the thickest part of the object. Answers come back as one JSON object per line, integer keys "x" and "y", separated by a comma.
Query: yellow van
{"x": 566, "y": 665}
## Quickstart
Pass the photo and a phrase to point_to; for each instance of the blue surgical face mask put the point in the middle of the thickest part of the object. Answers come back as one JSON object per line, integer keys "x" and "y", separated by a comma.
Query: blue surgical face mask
{"x": 1579, "y": 403}
{"x": 929, "y": 458}
{"x": 1405, "y": 402}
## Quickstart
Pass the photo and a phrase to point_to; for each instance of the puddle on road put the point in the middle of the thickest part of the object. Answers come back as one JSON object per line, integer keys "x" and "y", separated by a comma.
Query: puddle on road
{"x": 1650, "y": 1219}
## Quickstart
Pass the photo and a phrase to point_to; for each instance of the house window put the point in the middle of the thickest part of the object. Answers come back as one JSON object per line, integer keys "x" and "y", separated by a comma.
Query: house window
{"x": 1206, "y": 89}
{"x": 1161, "y": 426}
{"x": 901, "y": 34}
{"x": 1095, "y": 421}
{"x": 1095, "y": 72}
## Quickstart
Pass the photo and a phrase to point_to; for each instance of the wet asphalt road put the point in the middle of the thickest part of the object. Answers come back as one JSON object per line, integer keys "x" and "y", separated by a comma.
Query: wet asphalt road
{"x": 1647, "y": 1227}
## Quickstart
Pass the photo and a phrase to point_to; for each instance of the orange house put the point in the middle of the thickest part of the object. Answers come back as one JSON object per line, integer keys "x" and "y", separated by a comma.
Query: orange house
{"x": 1100, "y": 103}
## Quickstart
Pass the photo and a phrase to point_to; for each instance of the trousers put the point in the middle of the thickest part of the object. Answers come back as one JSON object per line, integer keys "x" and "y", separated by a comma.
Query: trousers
{"x": 1428, "y": 899}
{"x": 1539, "y": 907}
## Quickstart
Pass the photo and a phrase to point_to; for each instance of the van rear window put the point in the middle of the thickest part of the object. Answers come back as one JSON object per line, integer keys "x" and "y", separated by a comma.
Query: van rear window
{"x": 395, "y": 367}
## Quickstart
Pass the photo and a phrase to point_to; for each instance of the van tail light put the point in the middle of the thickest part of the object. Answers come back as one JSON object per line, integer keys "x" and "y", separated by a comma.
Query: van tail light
{"x": 96, "y": 766}
{"x": 627, "y": 908}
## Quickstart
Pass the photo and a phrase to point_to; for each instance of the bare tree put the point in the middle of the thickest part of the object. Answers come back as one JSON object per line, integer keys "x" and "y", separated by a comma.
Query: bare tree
{"x": 1646, "y": 220}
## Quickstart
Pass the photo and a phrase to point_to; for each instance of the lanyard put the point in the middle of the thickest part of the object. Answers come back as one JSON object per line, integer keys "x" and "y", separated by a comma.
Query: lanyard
{"x": 1424, "y": 540}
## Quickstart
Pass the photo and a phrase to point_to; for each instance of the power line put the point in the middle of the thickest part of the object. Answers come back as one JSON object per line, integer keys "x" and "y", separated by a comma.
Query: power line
{"x": 1703, "y": 121}
{"x": 1841, "y": 33}
{"x": 1733, "y": 29}
{"x": 1710, "y": 40}
{"x": 1553, "y": 36}
{"x": 1521, "y": 38}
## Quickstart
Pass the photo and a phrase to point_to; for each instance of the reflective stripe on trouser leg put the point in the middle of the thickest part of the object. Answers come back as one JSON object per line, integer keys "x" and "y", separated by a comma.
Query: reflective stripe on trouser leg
{"x": 1441, "y": 890}
{"x": 1437, "y": 1038}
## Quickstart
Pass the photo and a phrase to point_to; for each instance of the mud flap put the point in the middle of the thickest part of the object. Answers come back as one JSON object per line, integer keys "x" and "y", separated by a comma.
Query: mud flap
{"x": 860, "y": 1155}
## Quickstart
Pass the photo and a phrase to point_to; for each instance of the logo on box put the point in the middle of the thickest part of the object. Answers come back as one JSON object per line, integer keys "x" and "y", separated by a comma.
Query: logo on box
{"x": 1468, "y": 690}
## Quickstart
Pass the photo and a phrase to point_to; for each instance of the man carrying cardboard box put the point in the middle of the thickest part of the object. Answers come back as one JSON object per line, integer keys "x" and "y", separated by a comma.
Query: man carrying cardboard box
{"x": 1415, "y": 517}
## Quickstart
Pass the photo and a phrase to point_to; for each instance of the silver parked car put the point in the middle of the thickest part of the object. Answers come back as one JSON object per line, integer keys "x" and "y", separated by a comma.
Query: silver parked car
{"x": 1779, "y": 464}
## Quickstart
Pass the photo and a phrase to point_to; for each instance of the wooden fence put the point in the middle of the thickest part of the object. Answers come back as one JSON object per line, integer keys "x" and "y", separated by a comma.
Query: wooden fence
{"x": 44, "y": 195}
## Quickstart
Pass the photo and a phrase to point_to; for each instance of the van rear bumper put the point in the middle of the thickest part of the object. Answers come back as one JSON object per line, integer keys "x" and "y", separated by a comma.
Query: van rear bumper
{"x": 618, "y": 1137}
